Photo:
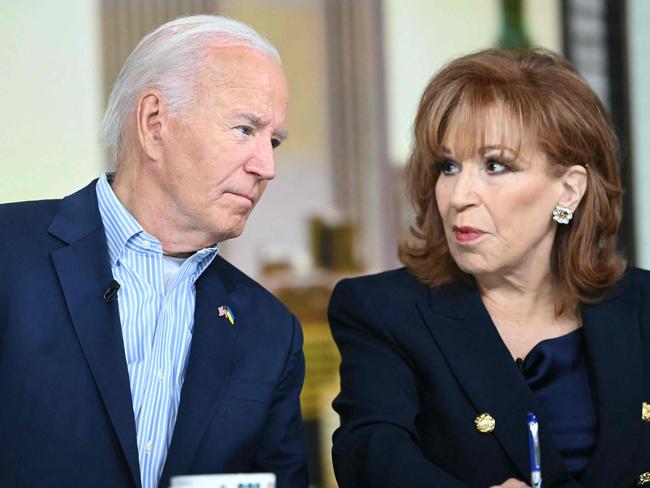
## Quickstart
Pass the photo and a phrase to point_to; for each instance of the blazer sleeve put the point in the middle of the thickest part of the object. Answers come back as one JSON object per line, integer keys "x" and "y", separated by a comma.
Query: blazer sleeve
{"x": 376, "y": 445}
{"x": 282, "y": 449}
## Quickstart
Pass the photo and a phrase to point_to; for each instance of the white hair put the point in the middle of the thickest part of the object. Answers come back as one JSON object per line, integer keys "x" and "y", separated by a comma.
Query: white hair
{"x": 167, "y": 59}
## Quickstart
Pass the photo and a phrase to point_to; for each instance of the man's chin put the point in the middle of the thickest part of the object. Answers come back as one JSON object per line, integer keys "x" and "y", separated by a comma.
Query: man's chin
{"x": 231, "y": 233}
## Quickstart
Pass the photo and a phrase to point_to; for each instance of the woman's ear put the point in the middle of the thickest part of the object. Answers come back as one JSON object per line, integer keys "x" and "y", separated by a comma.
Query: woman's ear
{"x": 574, "y": 185}
{"x": 150, "y": 118}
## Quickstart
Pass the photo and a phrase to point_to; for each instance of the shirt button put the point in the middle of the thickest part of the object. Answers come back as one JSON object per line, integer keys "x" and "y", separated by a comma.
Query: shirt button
{"x": 148, "y": 447}
{"x": 161, "y": 375}
{"x": 146, "y": 244}
{"x": 165, "y": 306}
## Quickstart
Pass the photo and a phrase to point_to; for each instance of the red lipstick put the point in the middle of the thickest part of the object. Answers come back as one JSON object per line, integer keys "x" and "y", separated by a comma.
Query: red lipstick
{"x": 467, "y": 234}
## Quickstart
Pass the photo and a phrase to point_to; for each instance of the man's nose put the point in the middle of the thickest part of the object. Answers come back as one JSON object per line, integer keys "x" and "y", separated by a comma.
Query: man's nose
{"x": 262, "y": 162}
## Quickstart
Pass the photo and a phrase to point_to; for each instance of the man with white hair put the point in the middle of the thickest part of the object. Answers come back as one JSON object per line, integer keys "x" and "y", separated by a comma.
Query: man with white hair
{"x": 130, "y": 351}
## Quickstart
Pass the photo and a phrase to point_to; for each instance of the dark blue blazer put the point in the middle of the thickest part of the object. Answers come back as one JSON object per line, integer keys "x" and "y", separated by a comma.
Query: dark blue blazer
{"x": 419, "y": 365}
{"x": 66, "y": 416}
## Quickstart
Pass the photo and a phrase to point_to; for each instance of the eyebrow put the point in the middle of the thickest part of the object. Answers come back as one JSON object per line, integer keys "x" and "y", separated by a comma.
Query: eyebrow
{"x": 258, "y": 123}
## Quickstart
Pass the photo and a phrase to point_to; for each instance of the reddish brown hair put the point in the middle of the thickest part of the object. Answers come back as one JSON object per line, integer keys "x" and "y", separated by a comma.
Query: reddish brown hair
{"x": 554, "y": 109}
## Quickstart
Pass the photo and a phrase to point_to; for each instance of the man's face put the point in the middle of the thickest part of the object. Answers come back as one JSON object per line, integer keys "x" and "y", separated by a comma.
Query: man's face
{"x": 218, "y": 152}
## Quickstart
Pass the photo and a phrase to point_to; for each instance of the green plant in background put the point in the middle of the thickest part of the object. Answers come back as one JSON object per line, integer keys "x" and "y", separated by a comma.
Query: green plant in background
{"x": 513, "y": 28}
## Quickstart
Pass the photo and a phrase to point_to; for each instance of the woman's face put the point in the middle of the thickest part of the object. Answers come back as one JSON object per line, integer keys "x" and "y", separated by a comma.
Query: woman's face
{"x": 496, "y": 205}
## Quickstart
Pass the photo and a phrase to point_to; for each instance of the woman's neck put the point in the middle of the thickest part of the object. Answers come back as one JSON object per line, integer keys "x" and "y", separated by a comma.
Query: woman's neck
{"x": 524, "y": 311}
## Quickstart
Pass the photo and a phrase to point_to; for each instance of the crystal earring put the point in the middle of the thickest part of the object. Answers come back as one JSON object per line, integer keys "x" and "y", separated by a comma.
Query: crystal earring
{"x": 562, "y": 215}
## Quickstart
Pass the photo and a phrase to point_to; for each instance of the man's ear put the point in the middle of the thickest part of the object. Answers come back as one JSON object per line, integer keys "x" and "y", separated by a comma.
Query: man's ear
{"x": 574, "y": 185}
{"x": 150, "y": 120}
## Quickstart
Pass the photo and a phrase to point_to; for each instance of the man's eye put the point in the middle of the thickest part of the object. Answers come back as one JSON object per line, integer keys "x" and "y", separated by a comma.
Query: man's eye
{"x": 245, "y": 130}
{"x": 494, "y": 166}
{"x": 448, "y": 167}
{"x": 275, "y": 143}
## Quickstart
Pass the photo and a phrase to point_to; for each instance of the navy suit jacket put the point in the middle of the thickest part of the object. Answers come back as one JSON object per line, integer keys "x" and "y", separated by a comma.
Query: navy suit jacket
{"x": 66, "y": 416}
{"x": 419, "y": 365}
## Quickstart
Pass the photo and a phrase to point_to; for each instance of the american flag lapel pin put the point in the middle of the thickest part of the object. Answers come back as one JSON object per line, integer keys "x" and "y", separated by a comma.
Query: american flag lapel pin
{"x": 225, "y": 311}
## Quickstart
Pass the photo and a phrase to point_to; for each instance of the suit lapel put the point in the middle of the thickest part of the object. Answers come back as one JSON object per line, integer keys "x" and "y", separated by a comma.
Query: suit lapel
{"x": 614, "y": 347}
{"x": 462, "y": 328}
{"x": 208, "y": 369}
{"x": 84, "y": 271}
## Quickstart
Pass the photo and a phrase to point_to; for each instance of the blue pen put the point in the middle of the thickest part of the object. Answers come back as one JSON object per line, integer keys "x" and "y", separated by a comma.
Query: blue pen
{"x": 533, "y": 450}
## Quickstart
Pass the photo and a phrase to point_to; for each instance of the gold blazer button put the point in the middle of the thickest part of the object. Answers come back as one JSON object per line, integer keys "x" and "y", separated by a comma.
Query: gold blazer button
{"x": 485, "y": 423}
{"x": 645, "y": 412}
{"x": 644, "y": 479}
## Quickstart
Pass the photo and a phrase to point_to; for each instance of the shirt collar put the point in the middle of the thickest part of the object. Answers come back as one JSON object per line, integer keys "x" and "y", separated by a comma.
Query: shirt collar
{"x": 119, "y": 224}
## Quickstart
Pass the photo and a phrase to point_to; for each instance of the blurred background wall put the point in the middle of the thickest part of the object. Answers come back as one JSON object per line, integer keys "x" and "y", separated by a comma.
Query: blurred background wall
{"x": 356, "y": 69}
{"x": 638, "y": 36}
{"x": 51, "y": 97}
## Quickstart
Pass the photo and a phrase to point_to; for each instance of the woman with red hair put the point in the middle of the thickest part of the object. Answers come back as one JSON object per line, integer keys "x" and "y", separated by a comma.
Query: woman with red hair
{"x": 513, "y": 298}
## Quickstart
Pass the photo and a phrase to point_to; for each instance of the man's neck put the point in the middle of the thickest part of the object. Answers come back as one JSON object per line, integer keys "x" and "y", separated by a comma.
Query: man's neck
{"x": 151, "y": 208}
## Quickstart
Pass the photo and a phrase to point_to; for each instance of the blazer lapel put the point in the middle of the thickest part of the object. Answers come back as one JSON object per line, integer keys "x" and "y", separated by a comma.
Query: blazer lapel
{"x": 208, "y": 369}
{"x": 614, "y": 347}
{"x": 462, "y": 328}
{"x": 84, "y": 271}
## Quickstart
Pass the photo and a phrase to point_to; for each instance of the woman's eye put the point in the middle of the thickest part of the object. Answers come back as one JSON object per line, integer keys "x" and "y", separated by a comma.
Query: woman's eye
{"x": 448, "y": 167}
{"x": 494, "y": 166}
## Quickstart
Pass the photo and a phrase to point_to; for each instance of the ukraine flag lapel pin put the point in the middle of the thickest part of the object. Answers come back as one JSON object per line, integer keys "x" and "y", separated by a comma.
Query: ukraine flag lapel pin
{"x": 225, "y": 311}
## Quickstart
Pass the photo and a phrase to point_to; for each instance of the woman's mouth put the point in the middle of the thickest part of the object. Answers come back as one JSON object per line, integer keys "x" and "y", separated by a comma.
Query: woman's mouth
{"x": 467, "y": 234}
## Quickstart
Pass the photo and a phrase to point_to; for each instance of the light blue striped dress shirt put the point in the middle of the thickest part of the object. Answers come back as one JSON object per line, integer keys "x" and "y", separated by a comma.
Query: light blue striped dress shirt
{"x": 156, "y": 326}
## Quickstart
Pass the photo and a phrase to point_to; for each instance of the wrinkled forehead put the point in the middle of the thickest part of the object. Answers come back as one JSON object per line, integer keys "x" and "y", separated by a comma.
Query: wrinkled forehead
{"x": 230, "y": 62}
{"x": 470, "y": 130}
{"x": 242, "y": 77}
